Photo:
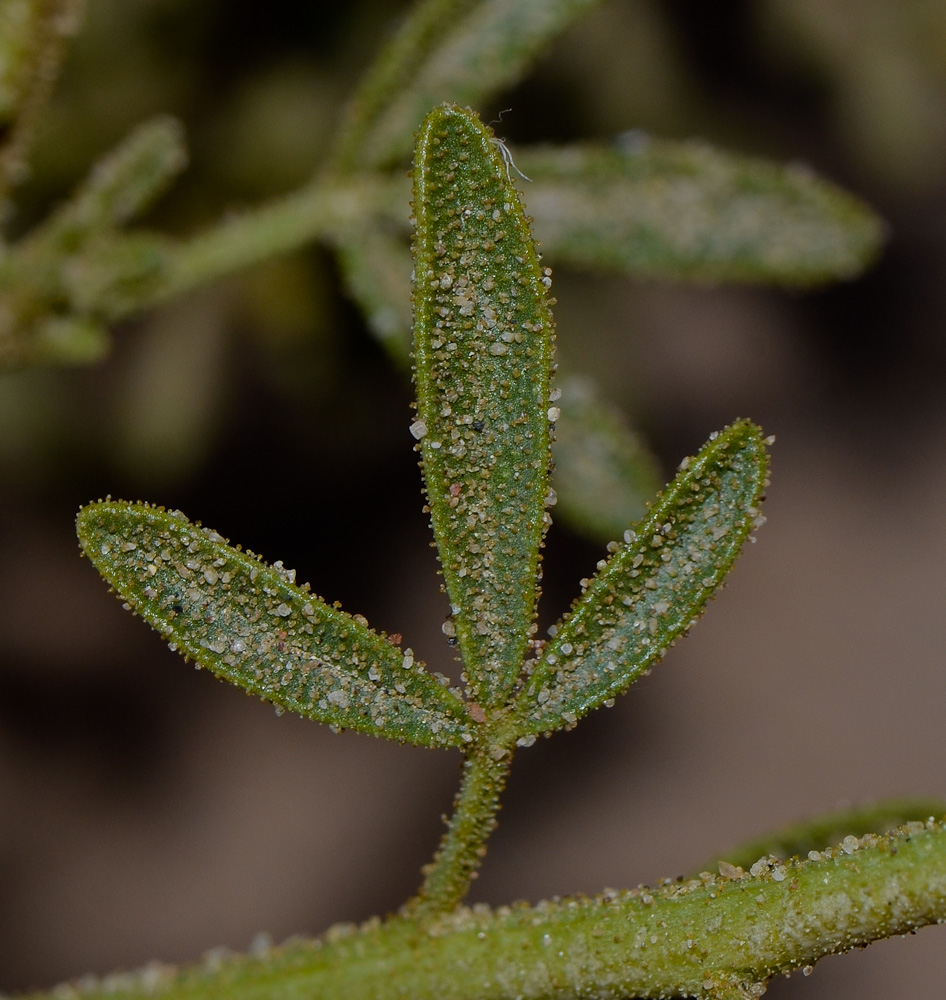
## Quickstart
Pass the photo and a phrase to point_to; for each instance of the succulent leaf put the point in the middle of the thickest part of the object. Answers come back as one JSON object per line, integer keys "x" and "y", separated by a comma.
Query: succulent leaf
{"x": 654, "y": 585}
{"x": 249, "y": 623}
{"x": 483, "y": 355}
{"x": 603, "y": 474}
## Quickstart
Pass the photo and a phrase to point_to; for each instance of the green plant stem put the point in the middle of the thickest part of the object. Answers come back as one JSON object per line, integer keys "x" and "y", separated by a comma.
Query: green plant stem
{"x": 118, "y": 275}
{"x": 447, "y": 878}
{"x": 714, "y": 937}
{"x": 279, "y": 226}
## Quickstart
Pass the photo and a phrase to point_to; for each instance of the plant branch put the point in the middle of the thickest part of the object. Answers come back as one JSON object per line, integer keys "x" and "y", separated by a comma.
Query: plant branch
{"x": 832, "y": 828}
{"x": 278, "y": 226}
{"x": 66, "y": 275}
{"x": 447, "y": 878}
{"x": 713, "y": 937}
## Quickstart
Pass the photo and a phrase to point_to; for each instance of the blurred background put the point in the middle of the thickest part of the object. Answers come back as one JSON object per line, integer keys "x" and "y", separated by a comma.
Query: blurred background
{"x": 150, "y": 812}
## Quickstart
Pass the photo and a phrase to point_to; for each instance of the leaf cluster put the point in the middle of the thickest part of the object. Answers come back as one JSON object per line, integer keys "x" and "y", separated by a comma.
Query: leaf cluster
{"x": 485, "y": 412}
{"x": 639, "y": 206}
{"x": 491, "y": 411}
{"x": 486, "y": 409}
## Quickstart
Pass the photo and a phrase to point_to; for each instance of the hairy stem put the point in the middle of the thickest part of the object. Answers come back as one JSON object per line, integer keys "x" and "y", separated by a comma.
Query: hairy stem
{"x": 713, "y": 937}
{"x": 278, "y": 226}
{"x": 447, "y": 878}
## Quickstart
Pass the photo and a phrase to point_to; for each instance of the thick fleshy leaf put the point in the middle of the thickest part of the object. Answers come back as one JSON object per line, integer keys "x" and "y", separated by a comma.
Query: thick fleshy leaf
{"x": 483, "y": 354}
{"x": 654, "y": 585}
{"x": 687, "y": 211}
{"x": 467, "y": 53}
{"x": 603, "y": 476}
{"x": 249, "y": 623}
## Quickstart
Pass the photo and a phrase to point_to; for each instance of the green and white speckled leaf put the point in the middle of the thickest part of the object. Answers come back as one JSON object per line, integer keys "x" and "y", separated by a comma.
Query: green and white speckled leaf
{"x": 249, "y": 623}
{"x": 603, "y": 473}
{"x": 483, "y": 356}
{"x": 686, "y": 211}
{"x": 654, "y": 585}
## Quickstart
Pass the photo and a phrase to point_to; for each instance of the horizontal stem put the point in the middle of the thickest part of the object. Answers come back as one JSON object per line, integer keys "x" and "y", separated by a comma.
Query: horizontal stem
{"x": 279, "y": 226}
{"x": 712, "y": 937}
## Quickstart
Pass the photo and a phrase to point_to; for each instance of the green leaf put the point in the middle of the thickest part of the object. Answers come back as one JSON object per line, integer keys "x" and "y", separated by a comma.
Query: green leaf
{"x": 654, "y": 585}
{"x": 470, "y": 52}
{"x": 67, "y": 340}
{"x": 603, "y": 473}
{"x": 121, "y": 185}
{"x": 392, "y": 72}
{"x": 825, "y": 831}
{"x": 75, "y": 271}
{"x": 683, "y": 210}
{"x": 249, "y": 623}
{"x": 483, "y": 354}
{"x": 376, "y": 267}
{"x": 18, "y": 24}
{"x": 32, "y": 45}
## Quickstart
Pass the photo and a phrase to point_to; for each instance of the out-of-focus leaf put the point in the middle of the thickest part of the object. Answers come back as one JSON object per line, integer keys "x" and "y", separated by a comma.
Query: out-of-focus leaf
{"x": 121, "y": 185}
{"x": 66, "y": 340}
{"x": 77, "y": 270}
{"x": 475, "y": 51}
{"x": 687, "y": 211}
{"x": 483, "y": 354}
{"x": 376, "y": 266}
{"x": 653, "y": 587}
{"x": 32, "y": 33}
{"x": 19, "y": 21}
{"x": 603, "y": 473}
{"x": 110, "y": 276}
{"x": 392, "y": 72}
{"x": 826, "y": 831}
{"x": 54, "y": 306}
{"x": 249, "y": 623}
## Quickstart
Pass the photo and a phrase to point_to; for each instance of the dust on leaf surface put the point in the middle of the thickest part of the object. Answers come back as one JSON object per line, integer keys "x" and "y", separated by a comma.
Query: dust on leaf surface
{"x": 249, "y": 623}
{"x": 483, "y": 357}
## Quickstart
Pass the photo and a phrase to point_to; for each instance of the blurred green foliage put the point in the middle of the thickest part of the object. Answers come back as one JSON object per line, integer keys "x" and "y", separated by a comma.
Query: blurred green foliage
{"x": 653, "y": 209}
